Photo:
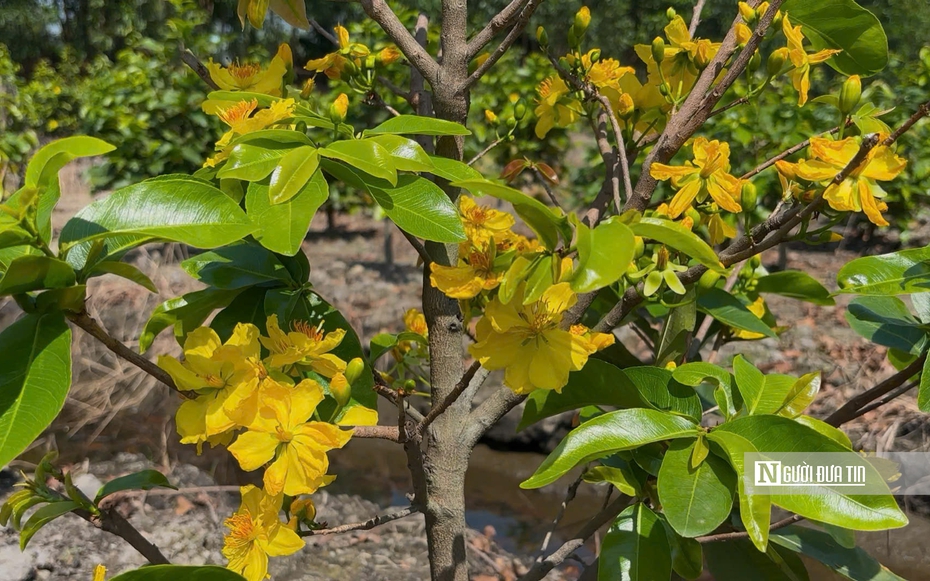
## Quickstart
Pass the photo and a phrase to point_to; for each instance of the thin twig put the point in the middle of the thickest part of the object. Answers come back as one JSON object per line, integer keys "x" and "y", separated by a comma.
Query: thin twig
{"x": 323, "y": 32}
{"x": 442, "y": 406}
{"x": 191, "y": 60}
{"x": 504, "y": 46}
{"x": 569, "y": 497}
{"x": 549, "y": 192}
{"x": 728, "y": 106}
{"x": 485, "y": 151}
{"x": 503, "y": 19}
{"x": 921, "y": 112}
{"x": 111, "y": 521}
{"x": 851, "y": 409}
{"x": 380, "y": 12}
{"x": 364, "y": 525}
{"x": 621, "y": 148}
{"x": 888, "y": 398}
{"x": 744, "y": 535}
{"x": 696, "y": 17}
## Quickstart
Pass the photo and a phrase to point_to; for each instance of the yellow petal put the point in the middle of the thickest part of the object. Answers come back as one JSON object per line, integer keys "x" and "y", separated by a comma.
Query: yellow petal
{"x": 359, "y": 415}
{"x": 841, "y": 197}
{"x": 683, "y": 198}
{"x": 284, "y": 542}
{"x": 660, "y": 171}
{"x": 871, "y": 208}
{"x": 884, "y": 165}
{"x": 253, "y": 449}
{"x": 725, "y": 190}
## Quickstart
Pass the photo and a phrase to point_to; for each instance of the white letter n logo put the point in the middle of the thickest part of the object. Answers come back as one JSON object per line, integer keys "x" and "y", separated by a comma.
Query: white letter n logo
{"x": 768, "y": 473}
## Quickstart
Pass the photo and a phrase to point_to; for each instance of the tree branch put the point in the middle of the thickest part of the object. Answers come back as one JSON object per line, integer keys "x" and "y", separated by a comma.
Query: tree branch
{"x": 442, "y": 406}
{"x": 542, "y": 568}
{"x": 851, "y": 409}
{"x": 364, "y": 525}
{"x": 379, "y": 432}
{"x": 569, "y": 497}
{"x": 191, "y": 60}
{"x": 323, "y": 32}
{"x": 92, "y": 328}
{"x": 110, "y": 521}
{"x": 744, "y": 535}
{"x": 380, "y": 12}
{"x": 696, "y": 17}
{"x": 505, "y": 44}
{"x": 500, "y": 21}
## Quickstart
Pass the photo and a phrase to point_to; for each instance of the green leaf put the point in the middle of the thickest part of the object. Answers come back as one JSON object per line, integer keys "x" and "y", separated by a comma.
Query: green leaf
{"x": 48, "y": 161}
{"x": 844, "y": 25}
{"x": 620, "y": 477}
{"x": 407, "y": 154}
{"x": 365, "y": 155}
{"x": 143, "y": 480}
{"x": 185, "y": 313}
{"x": 694, "y": 500}
{"x": 597, "y": 383}
{"x": 660, "y": 388}
{"x": 761, "y": 394}
{"x": 34, "y": 379}
{"x": 858, "y": 512}
{"x": 177, "y": 208}
{"x": 416, "y": 125}
{"x": 273, "y": 136}
{"x": 887, "y": 321}
{"x": 607, "y": 434}
{"x": 384, "y": 342}
{"x": 604, "y": 254}
{"x": 179, "y": 573}
{"x": 250, "y": 162}
{"x": 416, "y": 205}
{"x": 755, "y": 510}
{"x": 737, "y": 560}
{"x": 923, "y": 393}
{"x": 238, "y": 265}
{"x": 687, "y": 554}
{"x": 835, "y": 434}
{"x": 547, "y": 225}
{"x": 29, "y": 273}
{"x": 678, "y": 237}
{"x": 124, "y": 270}
{"x": 853, "y": 564}
{"x": 292, "y": 173}
{"x": 453, "y": 170}
{"x": 248, "y": 307}
{"x": 797, "y": 285}
{"x": 802, "y": 394}
{"x": 42, "y": 517}
{"x": 727, "y": 309}
{"x": 898, "y": 273}
{"x": 676, "y": 332}
{"x": 294, "y": 12}
{"x": 284, "y": 226}
{"x": 635, "y": 548}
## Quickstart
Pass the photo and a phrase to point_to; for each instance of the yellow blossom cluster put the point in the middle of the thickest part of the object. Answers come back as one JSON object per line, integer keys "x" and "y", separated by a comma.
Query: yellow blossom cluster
{"x": 351, "y": 58}
{"x": 266, "y": 410}
{"x": 253, "y": 77}
{"x": 524, "y": 337}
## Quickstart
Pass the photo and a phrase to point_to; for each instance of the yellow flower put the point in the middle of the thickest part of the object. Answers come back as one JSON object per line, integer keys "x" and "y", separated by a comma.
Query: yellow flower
{"x": 283, "y": 435}
{"x": 860, "y": 191}
{"x": 100, "y": 573}
{"x": 743, "y": 34}
{"x": 333, "y": 63}
{"x": 802, "y": 61}
{"x": 305, "y": 346}
{"x": 718, "y": 228}
{"x": 757, "y": 308}
{"x": 528, "y": 342}
{"x": 596, "y": 341}
{"x": 475, "y": 273}
{"x": 251, "y": 76}
{"x": 707, "y": 174}
{"x": 389, "y": 55}
{"x": 239, "y": 117}
{"x": 555, "y": 108}
{"x": 341, "y": 106}
{"x": 256, "y": 533}
{"x": 214, "y": 371}
{"x": 483, "y": 222}
{"x": 415, "y": 322}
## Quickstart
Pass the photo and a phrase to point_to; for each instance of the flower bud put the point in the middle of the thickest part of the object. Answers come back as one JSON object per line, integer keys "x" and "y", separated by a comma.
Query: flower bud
{"x": 850, "y": 94}
{"x": 410, "y": 386}
{"x": 511, "y": 123}
{"x": 708, "y": 280}
{"x": 658, "y": 50}
{"x": 755, "y": 262}
{"x": 308, "y": 88}
{"x": 595, "y": 55}
{"x": 339, "y": 108}
{"x": 639, "y": 246}
{"x": 349, "y": 69}
{"x": 542, "y": 37}
{"x": 754, "y": 63}
{"x": 777, "y": 61}
{"x": 304, "y": 510}
{"x": 664, "y": 90}
{"x": 748, "y": 195}
{"x": 519, "y": 110}
{"x": 256, "y": 12}
{"x": 490, "y": 117}
{"x": 389, "y": 55}
{"x": 582, "y": 21}
{"x": 761, "y": 9}
{"x": 340, "y": 388}
{"x": 743, "y": 34}
{"x": 747, "y": 12}
{"x": 625, "y": 106}
{"x": 354, "y": 369}
{"x": 513, "y": 169}
{"x": 670, "y": 14}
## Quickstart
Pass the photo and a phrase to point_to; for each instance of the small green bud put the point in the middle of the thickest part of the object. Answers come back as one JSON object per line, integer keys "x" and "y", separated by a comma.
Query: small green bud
{"x": 354, "y": 369}
{"x": 658, "y": 50}
{"x": 850, "y": 94}
{"x": 582, "y": 20}
{"x": 708, "y": 280}
{"x": 755, "y": 262}
{"x": 749, "y": 195}
{"x": 519, "y": 110}
{"x": 410, "y": 386}
{"x": 664, "y": 90}
{"x": 639, "y": 246}
{"x": 776, "y": 62}
{"x": 754, "y": 63}
{"x": 349, "y": 69}
{"x": 511, "y": 123}
{"x": 670, "y": 14}
{"x": 340, "y": 388}
{"x": 595, "y": 55}
{"x": 542, "y": 37}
